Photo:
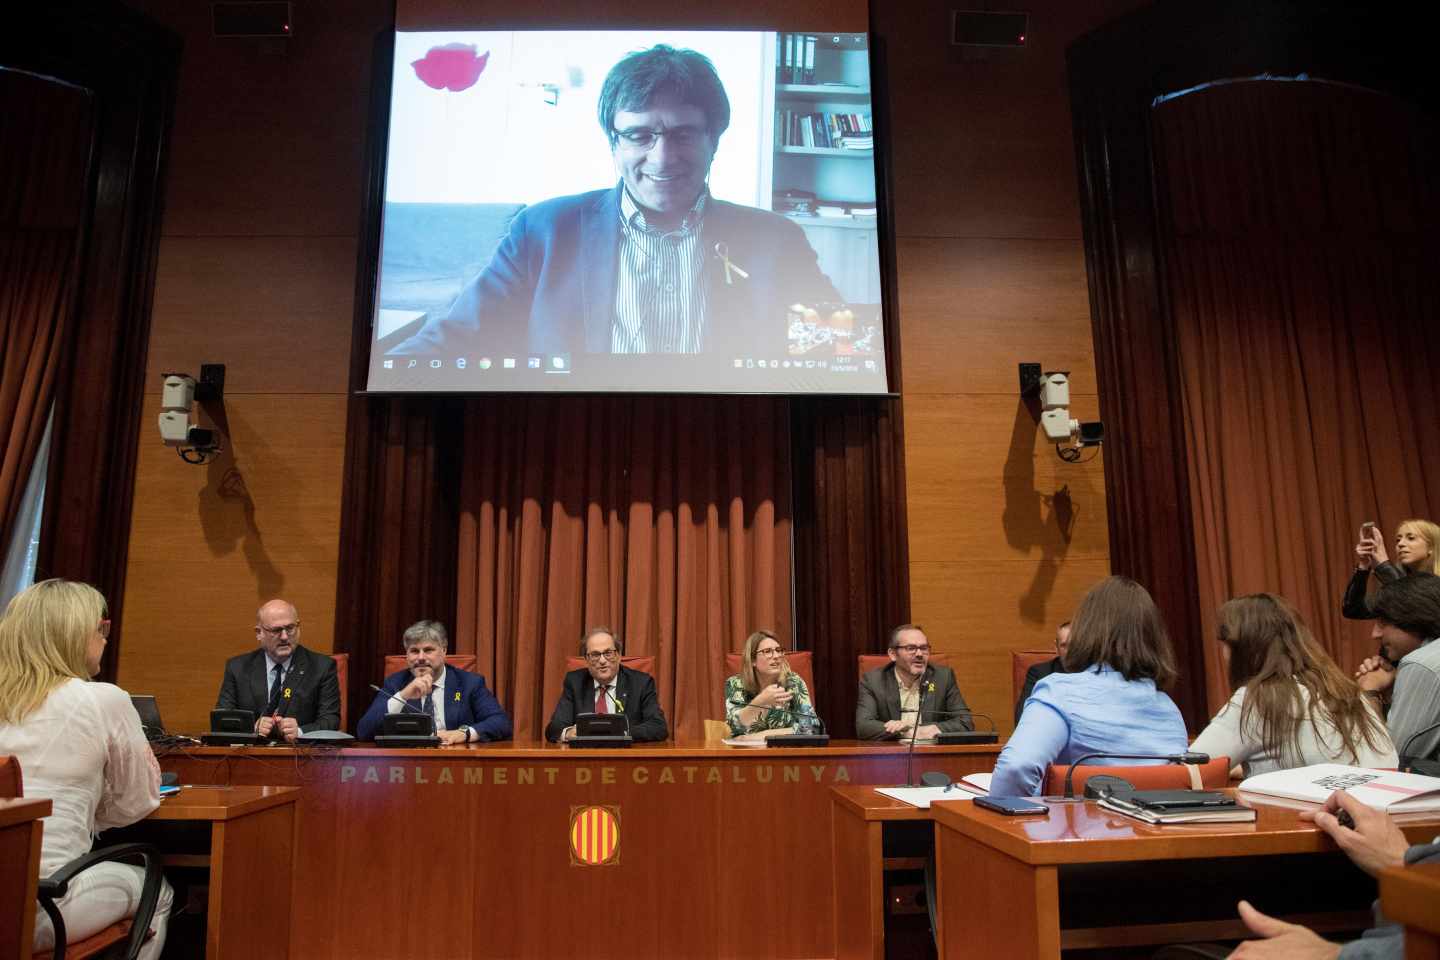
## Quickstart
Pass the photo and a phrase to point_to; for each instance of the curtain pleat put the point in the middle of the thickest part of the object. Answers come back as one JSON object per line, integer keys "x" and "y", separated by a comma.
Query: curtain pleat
{"x": 665, "y": 519}
{"x": 1298, "y": 223}
{"x": 46, "y": 130}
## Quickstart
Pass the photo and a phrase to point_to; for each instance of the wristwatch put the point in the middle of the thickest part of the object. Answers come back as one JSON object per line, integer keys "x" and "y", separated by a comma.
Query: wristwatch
{"x": 465, "y": 729}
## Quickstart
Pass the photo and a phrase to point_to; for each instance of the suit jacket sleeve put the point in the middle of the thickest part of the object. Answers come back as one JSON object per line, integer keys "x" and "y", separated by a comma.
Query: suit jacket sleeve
{"x": 327, "y": 696}
{"x": 869, "y": 724}
{"x": 1032, "y": 677}
{"x": 952, "y": 704}
{"x": 491, "y": 721}
{"x": 564, "y": 713}
{"x": 229, "y": 698}
{"x": 647, "y": 721}
{"x": 496, "y": 302}
{"x": 374, "y": 717}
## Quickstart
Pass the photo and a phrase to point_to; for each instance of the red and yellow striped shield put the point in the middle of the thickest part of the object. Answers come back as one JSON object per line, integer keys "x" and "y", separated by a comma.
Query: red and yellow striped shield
{"x": 594, "y": 836}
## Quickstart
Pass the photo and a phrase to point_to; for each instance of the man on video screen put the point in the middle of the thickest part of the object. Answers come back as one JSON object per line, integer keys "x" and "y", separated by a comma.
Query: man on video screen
{"x": 654, "y": 264}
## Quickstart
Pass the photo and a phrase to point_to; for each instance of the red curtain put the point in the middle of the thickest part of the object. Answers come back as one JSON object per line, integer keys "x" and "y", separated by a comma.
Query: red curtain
{"x": 665, "y": 519}
{"x": 1298, "y": 224}
{"x": 46, "y": 130}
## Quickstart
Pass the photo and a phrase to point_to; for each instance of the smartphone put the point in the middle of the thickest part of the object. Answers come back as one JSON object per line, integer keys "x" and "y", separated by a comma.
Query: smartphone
{"x": 1367, "y": 530}
{"x": 1012, "y": 806}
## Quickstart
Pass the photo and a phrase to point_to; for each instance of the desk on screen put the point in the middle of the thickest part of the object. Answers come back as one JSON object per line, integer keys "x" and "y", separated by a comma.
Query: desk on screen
{"x": 692, "y": 836}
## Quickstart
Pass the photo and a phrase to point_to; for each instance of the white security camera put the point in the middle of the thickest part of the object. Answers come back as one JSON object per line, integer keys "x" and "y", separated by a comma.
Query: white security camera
{"x": 176, "y": 400}
{"x": 1055, "y": 390}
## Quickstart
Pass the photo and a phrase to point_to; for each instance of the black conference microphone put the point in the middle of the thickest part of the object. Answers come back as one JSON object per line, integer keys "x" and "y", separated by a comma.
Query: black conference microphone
{"x": 1188, "y": 757}
{"x": 1420, "y": 765}
{"x": 797, "y": 739}
{"x": 619, "y": 707}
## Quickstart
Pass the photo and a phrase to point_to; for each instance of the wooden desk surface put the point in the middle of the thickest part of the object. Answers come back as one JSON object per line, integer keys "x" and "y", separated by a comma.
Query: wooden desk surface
{"x": 222, "y": 802}
{"x": 1411, "y": 895}
{"x": 1086, "y": 833}
{"x": 866, "y": 804}
{"x": 22, "y": 810}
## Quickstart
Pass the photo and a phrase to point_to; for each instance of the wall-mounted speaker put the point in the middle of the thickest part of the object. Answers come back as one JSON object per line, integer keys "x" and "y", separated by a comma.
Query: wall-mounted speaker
{"x": 986, "y": 28}
{"x": 250, "y": 18}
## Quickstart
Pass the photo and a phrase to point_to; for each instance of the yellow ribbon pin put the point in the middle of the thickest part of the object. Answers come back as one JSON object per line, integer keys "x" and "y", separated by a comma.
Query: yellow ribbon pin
{"x": 457, "y": 695}
{"x": 722, "y": 250}
{"x": 287, "y": 693}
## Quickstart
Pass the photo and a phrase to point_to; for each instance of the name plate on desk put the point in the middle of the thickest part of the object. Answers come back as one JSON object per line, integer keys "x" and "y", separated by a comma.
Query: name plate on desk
{"x": 798, "y": 740}
{"x": 966, "y": 736}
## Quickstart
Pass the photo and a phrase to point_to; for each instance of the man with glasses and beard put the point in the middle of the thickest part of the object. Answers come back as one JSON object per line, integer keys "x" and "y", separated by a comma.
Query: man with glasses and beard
{"x": 652, "y": 263}
{"x": 604, "y": 686}
{"x": 892, "y": 698}
{"x": 290, "y": 690}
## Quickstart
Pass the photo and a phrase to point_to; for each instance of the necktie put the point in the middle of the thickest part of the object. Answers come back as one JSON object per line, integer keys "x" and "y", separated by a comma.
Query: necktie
{"x": 600, "y": 700}
{"x": 275, "y": 688}
{"x": 434, "y": 709}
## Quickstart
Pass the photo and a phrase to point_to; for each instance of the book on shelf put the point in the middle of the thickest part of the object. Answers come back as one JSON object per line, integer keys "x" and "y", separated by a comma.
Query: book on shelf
{"x": 1382, "y": 789}
{"x": 808, "y": 75}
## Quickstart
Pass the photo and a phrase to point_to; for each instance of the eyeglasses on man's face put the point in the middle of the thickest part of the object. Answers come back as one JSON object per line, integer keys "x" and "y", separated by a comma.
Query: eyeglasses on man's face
{"x": 913, "y": 649}
{"x": 601, "y": 655}
{"x": 281, "y": 630}
{"x": 643, "y": 138}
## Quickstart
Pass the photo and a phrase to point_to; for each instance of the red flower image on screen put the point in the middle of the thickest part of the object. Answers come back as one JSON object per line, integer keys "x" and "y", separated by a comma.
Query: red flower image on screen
{"x": 454, "y": 67}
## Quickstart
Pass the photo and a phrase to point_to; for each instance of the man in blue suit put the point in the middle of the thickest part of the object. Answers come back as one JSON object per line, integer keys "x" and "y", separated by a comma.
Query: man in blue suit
{"x": 464, "y": 710}
{"x": 652, "y": 265}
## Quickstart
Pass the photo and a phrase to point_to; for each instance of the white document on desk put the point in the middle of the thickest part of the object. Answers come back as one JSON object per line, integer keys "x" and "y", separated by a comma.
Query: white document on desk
{"x": 923, "y": 796}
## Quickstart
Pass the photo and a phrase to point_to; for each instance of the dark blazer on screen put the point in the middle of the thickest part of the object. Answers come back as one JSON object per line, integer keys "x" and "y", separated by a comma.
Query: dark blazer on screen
{"x": 467, "y": 702}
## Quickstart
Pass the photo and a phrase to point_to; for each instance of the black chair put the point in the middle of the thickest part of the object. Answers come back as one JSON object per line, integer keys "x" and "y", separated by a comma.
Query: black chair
{"x": 55, "y": 886}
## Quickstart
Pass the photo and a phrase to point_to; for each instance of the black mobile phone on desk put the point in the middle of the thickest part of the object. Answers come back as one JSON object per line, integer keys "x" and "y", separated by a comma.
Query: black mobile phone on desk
{"x": 1012, "y": 806}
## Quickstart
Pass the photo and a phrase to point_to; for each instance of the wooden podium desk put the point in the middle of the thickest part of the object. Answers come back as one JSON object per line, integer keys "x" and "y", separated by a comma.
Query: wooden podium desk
{"x": 859, "y": 823}
{"x": 20, "y": 832}
{"x": 1081, "y": 876}
{"x": 245, "y": 836}
{"x": 473, "y": 845}
{"x": 1412, "y": 896}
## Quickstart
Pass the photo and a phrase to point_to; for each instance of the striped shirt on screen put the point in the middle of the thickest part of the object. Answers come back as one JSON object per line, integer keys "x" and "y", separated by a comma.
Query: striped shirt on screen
{"x": 659, "y": 293}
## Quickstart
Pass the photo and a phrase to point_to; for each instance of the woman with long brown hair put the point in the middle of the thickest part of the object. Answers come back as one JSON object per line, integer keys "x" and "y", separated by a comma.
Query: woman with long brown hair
{"x": 1292, "y": 706}
{"x": 1110, "y": 699}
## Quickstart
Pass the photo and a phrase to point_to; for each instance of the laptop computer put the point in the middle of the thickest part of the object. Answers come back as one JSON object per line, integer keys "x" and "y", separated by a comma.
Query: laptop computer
{"x": 150, "y": 721}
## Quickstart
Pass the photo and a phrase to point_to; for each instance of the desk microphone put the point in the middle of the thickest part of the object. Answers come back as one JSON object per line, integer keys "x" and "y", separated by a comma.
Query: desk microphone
{"x": 1188, "y": 757}
{"x": 798, "y": 739}
{"x": 1420, "y": 765}
{"x": 619, "y": 708}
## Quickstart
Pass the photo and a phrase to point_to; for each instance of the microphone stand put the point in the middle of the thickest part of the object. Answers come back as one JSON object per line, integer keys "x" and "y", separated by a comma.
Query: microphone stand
{"x": 1420, "y": 765}
{"x": 925, "y": 687}
{"x": 1187, "y": 757}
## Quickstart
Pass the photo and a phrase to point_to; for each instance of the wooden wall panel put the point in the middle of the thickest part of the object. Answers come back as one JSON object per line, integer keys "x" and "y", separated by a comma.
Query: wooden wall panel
{"x": 973, "y": 308}
{"x": 269, "y": 134}
{"x": 1004, "y": 537}
{"x": 277, "y": 311}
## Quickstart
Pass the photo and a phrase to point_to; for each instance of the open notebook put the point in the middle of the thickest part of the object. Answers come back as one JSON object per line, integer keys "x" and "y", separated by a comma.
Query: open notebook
{"x": 1382, "y": 789}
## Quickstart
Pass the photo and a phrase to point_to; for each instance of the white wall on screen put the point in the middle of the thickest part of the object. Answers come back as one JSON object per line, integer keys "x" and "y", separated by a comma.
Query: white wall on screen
{"x": 500, "y": 141}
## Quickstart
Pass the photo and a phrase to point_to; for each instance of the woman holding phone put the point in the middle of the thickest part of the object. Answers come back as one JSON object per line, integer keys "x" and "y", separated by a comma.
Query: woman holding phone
{"x": 1417, "y": 550}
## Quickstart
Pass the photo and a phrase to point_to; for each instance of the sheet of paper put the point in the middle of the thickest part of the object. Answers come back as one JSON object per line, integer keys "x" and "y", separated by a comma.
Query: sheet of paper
{"x": 923, "y": 796}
